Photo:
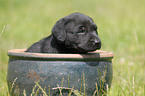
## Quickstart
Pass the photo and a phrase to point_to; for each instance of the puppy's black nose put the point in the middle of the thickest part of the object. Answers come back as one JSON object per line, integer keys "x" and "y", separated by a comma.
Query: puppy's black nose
{"x": 97, "y": 43}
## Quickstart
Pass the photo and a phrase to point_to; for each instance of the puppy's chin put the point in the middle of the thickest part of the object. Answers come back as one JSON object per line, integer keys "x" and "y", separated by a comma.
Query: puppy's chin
{"x": 82, "y": 50}
{"x": 85, "y": 50}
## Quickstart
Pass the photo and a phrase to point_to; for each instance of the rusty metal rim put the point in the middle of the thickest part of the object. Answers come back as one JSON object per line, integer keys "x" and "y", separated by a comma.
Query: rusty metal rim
{"x": 20, "y": 53}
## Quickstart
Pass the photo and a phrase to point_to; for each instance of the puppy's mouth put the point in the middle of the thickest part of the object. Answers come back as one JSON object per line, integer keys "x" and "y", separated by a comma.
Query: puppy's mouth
{"x": 87, "y": 48}
{"x": 79, "y": 49}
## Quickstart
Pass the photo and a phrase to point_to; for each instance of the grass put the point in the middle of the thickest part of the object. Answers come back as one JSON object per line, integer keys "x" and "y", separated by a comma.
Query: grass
{"x": 121, "y": 26}
{"x": 38, "y": 89}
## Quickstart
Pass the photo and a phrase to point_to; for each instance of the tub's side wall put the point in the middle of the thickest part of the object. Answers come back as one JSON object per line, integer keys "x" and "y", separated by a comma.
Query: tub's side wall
{"x": 50, "y": 73}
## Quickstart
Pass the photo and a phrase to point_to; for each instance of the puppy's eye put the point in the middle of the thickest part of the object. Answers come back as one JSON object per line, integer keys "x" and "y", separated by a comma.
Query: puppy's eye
{"x": 81, "y": 30}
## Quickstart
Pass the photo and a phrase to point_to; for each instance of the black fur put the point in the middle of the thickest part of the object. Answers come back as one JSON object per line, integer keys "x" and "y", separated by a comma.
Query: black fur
{"x": 75, "y": 33}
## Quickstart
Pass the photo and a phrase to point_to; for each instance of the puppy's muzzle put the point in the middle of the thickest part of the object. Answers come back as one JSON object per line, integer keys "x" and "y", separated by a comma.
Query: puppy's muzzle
{"x": 96, "y": 42}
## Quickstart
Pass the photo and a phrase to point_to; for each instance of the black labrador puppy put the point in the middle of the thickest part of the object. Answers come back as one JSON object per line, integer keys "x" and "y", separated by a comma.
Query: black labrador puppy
{"x": 75, "y": 33}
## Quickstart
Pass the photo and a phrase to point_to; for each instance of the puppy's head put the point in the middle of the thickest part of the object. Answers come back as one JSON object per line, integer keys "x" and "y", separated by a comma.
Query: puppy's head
{"x": 77, "y": 31}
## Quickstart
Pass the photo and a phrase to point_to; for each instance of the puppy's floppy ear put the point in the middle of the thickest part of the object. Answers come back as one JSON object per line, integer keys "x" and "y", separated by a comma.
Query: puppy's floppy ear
{"x": 58, "y": 31}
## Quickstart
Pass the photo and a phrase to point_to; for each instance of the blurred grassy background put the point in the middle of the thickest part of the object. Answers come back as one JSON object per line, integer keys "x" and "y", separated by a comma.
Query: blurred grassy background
{"x": 121, "y": 26}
